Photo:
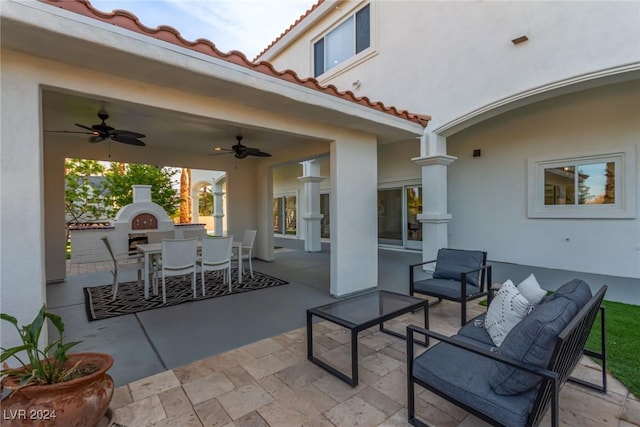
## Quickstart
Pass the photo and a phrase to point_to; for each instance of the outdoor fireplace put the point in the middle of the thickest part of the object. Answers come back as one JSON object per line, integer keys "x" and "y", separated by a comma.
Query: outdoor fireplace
{"x": 130, "y": 225}
{"x": 144, "y": 221}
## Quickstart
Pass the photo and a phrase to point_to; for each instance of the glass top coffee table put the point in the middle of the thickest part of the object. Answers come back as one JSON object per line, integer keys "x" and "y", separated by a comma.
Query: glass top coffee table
{"x": 359, "y": 313}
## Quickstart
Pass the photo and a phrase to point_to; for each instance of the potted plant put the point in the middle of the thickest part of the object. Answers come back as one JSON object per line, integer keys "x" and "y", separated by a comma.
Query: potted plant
{"x": 51, "y": 387}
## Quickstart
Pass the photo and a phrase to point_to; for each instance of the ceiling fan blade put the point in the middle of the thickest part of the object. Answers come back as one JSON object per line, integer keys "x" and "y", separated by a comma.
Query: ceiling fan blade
{"x": 70, "y": 131}
{"x": 260, "y": 154}
{"x": 256, "y": 152}
{"x": 127, "y": 133}
{"x": 127, "y": 140}
{"x": 86, "y": 127}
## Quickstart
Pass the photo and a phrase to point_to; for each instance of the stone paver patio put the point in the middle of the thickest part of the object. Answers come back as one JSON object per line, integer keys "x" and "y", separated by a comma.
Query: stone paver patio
{"x": 271, "y": 383}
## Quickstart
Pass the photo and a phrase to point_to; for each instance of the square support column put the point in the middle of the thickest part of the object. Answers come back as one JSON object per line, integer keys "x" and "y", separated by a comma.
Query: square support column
{"x": 263, "y": 246}
{"x": 218, "y": 206}
{"x": 434, "y": 216}
{"x": 354, "y": 221}
{"x": 22, "y": 187}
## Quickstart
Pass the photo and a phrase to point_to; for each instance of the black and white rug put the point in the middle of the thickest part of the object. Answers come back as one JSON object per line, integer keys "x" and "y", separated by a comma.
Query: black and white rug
{"x": 131, "y": 296}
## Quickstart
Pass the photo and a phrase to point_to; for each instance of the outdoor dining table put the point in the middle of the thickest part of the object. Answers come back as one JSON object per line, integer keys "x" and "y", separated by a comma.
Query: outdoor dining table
{"x": 149, "y": 250}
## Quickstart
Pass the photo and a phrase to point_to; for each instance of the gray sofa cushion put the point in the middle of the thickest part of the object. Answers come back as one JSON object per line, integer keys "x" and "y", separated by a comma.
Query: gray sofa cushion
{"x": 446, "y": 368}
{"x": 532, "y": 342}
{"x": 452, "y": 262}
{"x": 575, "y": 290}
{"x": 474, "y": 330}
{"x": 444, "y": 287}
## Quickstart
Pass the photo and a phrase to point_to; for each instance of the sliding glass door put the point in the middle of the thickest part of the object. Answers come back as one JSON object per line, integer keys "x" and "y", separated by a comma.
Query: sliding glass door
{"x": 326, "y": 216}
{"x": 285, "y": 215}
{"x": 413, "y": 204}
{"x": 390, "y": 217}
{"x": 398, "y": 210}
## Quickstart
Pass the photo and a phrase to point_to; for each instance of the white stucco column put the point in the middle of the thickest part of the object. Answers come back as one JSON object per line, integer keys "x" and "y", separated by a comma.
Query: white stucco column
{"x": 195, "y": 206}
{"x": 311, "y": 204}
{"x": 434, "y": 217}
{"x": 22, "y": 242}
{"x": 263, "y": 246}
{"x": 354, "y": 238}
{"x": 218, "y": 206}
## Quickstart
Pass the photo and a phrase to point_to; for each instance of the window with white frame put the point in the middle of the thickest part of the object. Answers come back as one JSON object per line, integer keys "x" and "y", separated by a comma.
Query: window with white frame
{"x": 346, "y": 40}
{"x": 592, "y": 185}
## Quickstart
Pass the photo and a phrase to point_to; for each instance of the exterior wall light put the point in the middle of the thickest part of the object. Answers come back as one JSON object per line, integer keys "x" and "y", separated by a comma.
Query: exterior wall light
{"x": 520, "y": 39}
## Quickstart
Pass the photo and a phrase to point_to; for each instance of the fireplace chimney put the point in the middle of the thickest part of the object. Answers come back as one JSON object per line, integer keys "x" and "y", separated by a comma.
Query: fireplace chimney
{"x": 141, "y": 193}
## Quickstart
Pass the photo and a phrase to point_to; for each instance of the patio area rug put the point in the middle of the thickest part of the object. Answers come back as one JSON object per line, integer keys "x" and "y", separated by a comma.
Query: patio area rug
{"x": 131, "y": 296}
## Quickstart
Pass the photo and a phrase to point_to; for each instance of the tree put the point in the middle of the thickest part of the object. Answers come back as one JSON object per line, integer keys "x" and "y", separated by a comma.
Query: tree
{"x": 205, "y": 201}
{"x": 120, "y": 185}
{"x": 185, "y": 196}
{"x": 85, "y": 193}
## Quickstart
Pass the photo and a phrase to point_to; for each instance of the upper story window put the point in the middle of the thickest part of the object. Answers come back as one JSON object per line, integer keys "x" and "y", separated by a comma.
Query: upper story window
{"x": 595, "y": 185}
{"x": 346, "y": 40}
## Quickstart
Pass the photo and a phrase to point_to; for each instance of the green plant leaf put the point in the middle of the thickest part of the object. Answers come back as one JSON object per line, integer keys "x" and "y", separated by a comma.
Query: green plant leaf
{"x": 61, "y": 351}
{"x": 57, "y": 322}
{"x": 9, "y": 319}
{"x": 7, "y": 353}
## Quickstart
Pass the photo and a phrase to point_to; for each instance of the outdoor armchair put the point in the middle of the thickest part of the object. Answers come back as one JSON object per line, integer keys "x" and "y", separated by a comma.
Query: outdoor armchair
{"x": 460, "y": 276}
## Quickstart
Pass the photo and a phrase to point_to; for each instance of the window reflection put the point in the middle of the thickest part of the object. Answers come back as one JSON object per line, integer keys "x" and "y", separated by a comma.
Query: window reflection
{"x": 593, "y": 184}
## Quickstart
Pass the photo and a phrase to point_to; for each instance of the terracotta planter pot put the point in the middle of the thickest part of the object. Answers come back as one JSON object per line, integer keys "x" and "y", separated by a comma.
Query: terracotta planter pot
{"x": 81, "y": 402}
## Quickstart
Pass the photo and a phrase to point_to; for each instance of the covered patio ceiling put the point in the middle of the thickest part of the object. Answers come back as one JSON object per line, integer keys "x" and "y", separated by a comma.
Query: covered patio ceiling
{"x": 165, "y": 130}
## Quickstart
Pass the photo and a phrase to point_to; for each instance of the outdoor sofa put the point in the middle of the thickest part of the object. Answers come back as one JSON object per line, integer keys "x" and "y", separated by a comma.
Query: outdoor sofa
{"x": 514, "y": 384}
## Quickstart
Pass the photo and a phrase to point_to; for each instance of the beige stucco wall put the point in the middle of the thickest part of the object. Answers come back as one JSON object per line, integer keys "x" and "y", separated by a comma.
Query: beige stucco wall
{"x": 448, "y": 58}
{"x": 488, "y": 195}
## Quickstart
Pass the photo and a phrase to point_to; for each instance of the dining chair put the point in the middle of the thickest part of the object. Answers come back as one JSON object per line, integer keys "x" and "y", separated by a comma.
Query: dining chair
{"x": 157, "y": 236}
{"x": 246, "y": 250}
{"x": 216, "y": 256}
{"x": 178, "y": 259}
{"x": 156, "y": 260}
{"x": 200, "y": 233}
{"x": 122, "y": 262}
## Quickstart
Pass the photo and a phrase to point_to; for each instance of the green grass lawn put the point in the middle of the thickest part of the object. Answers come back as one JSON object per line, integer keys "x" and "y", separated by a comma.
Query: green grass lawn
{"x": 623, "y": 343}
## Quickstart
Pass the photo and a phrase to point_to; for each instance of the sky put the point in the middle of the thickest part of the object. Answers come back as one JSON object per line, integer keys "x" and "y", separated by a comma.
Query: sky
{"x": 245, "y": 25}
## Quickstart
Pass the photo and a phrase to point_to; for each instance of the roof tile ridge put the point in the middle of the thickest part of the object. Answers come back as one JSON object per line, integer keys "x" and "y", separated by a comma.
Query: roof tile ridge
{"x": 421, "y": 119}
{"x": 291, "y": 27}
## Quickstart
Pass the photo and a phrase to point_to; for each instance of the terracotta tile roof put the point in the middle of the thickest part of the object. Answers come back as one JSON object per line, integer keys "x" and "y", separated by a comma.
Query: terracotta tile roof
{"x": 291, "y": 27}
{"x": 129, "y": 21}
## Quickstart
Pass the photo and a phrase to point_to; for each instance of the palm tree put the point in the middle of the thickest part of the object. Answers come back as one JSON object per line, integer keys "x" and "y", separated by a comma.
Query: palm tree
{"x": 185, "y": 196}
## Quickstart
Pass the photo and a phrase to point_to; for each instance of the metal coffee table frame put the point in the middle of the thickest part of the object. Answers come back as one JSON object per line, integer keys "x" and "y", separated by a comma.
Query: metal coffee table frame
{"x": 409, "y": 304}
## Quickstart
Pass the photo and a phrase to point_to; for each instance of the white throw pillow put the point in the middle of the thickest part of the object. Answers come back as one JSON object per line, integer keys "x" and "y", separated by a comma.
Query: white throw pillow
{"x": 531, "y": 290}
{"x": 507, "y": 308}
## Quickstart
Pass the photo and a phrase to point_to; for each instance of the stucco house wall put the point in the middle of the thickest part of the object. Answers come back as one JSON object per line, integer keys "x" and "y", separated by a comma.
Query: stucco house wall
{"x": 488, "y": 194}
{"x": 448, "y": 58}
{"x": 571, "y": 88}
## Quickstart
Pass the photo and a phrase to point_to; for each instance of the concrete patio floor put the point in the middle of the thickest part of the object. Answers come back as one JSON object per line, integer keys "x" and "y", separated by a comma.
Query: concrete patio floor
{"x": 241, "y": 360}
